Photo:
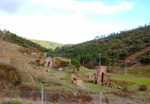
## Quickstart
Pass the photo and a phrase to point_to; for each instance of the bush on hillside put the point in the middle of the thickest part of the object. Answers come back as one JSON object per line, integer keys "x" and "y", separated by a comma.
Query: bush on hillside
{"x": 22, "y": 50}
{"x": 145, "y": 60}
{"x": 125, "y": 89}
{"x": 105, "y": 61}
{"x": 123, "y": 54}
{"x": 49, "y": 54}
{"x": 143, "y": 87}
{"x": 61, "y": 63}
{"x": 89, "y": 65}
{"x": 41, "y": 55}
{"x": 12, "y": 102}
{"x": 95, "y": 63}
{"x": 31, "y": 49}
{"x": 38, "y": 62}
{"x": 64, "y": 64}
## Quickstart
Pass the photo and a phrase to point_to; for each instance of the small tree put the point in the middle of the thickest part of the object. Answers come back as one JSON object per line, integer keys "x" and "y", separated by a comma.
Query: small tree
{"x": 116, "y": 55}
{"x": 76, "y": 65}
{"x": 123, "y": 54}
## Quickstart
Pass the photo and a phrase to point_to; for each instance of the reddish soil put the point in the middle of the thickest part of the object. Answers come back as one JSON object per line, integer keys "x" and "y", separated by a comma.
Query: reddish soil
{"x": 133, "y": 56}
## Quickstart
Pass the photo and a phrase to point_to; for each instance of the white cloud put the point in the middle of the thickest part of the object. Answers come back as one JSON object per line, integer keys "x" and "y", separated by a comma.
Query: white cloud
{"x": 63, "y": 28}
{"x": 59, "y": 28}
{"x": 97, "y": 7}
{"x": 125, "y": 6}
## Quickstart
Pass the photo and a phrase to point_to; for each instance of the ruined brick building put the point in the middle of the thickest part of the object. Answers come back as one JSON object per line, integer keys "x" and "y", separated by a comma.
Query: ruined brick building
{"x": 49, "y": 62}
{"x": 100, "y": 75}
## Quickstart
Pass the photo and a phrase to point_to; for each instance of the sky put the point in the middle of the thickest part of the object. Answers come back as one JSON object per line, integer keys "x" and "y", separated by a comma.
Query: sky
{"x": 71, "y": 21}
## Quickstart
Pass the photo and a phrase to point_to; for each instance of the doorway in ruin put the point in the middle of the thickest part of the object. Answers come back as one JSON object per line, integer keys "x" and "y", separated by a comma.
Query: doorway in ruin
{"x": 102, "y": 77}
{"x": 48, "y": 64}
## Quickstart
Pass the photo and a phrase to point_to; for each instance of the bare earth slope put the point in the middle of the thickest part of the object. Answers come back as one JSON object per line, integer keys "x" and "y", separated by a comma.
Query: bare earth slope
{"x": 133, "y": 56}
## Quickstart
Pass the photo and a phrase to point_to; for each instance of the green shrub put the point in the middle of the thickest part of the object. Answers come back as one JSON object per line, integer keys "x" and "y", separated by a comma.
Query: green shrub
{"x": 18, "y": 81}
{"x": 22, "y": 50}
{"x": 105, "y": 61}
{"x": 10, "y": 76}
{"x": 143, "y": 87}
{"x": 145, "y": 60}
{"x": 123, "y": 54}
{"x": 14, "y": 102}
{"x": 78, "y": 69}
{"x": 38, "y": 62}
{"x": 49, "y": 54}
{"x": 95, "y": 63}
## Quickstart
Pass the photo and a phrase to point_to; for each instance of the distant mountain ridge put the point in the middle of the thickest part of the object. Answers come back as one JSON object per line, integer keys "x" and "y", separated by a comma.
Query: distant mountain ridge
{"x": 48, "y": 44}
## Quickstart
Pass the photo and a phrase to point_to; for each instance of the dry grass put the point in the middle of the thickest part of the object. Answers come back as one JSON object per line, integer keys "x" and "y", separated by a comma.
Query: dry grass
{"x": 31, "y": 75}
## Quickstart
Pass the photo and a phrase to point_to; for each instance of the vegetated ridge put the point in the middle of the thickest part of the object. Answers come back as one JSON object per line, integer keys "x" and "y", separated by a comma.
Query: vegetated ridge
{"x": 13, "y": 38}
{"x": 48, "y": 44}
{"x": 115, "y": 45}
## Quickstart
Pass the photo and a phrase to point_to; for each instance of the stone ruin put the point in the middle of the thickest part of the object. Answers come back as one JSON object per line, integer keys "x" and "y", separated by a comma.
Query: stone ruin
{"x": 49, "y": 63}
{"x": 31, "y": 51}
{"x": 78, "y": 83}
{"x": 100, "y": 76}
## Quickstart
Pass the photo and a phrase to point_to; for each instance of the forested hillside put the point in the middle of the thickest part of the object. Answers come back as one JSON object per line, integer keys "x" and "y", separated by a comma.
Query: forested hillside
{"x": 116, "y": 45}
{"x": 13, "y": 38}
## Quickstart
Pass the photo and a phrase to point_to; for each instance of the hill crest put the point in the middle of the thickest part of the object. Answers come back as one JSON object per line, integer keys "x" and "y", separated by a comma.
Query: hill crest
{"x": 48, "y": 44}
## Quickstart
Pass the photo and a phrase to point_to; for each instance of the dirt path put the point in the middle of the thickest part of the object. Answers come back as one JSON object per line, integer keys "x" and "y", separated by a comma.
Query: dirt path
{"x": 133, "y": 56}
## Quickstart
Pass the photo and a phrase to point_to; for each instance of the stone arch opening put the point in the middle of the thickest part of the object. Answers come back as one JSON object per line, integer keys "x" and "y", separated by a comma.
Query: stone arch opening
{"x": 102, "y": 77}
{"x": 48, "y": 63}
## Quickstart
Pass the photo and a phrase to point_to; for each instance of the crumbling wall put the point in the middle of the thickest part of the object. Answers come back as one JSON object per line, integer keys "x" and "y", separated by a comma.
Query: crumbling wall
{"x": 78, "y": 83}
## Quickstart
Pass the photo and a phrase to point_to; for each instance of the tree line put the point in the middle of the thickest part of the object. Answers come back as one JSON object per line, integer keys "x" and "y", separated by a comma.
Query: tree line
{"x": 116, "y": 45}
{"x": 13, "y": 38}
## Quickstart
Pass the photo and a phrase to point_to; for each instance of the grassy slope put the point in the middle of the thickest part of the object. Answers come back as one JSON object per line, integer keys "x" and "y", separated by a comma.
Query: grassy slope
{"x": 30, "y": 75}
{"x": 63, "y": 59}
{"x": 23, "y": 61}
{"x": 38, "y": 73}
{"x": 48, "y": 44}
{"x": 132, "y": 79}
